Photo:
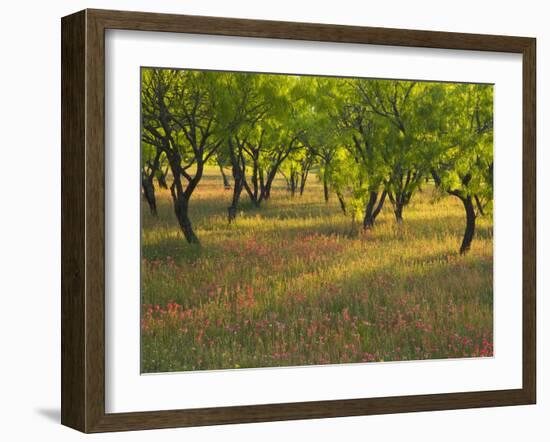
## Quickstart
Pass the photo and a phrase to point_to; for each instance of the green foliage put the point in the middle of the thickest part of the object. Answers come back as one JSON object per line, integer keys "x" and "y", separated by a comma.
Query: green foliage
{"x": 464, "y": 162}
{"x": 361, "y": 136}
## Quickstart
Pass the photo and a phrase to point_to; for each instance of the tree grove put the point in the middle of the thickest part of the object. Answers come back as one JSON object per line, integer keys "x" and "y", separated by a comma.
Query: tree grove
{"x": 370, "y": 142}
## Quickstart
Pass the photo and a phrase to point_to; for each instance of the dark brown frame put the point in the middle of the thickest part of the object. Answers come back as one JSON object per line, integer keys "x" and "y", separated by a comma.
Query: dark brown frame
{"x": 83, "y": 216}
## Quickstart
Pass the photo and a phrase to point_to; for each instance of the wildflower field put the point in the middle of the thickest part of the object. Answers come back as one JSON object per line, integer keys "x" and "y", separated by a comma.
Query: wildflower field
{"x": 295, "y": 283}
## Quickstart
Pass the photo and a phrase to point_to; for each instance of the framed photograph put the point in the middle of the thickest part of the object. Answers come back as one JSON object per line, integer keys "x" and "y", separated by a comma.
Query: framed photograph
{"x": 267, "y": 220}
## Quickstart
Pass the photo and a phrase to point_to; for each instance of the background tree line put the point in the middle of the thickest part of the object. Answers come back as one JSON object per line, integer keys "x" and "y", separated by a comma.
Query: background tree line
{"x": 370, "y": 142}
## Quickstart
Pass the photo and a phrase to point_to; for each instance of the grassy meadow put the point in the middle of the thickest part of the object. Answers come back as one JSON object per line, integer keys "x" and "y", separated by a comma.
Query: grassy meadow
{"x": 293, "y": 283}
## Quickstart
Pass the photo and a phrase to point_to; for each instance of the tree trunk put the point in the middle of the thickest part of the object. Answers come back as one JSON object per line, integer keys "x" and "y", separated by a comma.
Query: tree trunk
{"x": 380, "y": 204}
{"x": 303, "y": 179}
{"x": 161, "y": 179}
{"x": 255, "y": 198}
{"x": 398, "y": 201}
{"x": 373, "y": 209}
{"x": 226, "y": 184}
{"x": 238, "y": 172}
{"x": 341, "y": 201}
{"x": 237, "y": 189}
{"x": 232, "y": 209}
{"x": 368, "y": 220}
{"x": 182, "y": 213}
{"x": 181, "y": 197}
{"x": 293, "y": 183}
{"x": 398, "y": 211}
{"x": 325, "y": 188}
{"x": 470, "y": 224}
{"x": 266, "y": 188}
{"x": 256, "y": 182}
{"x": 149, "y": 194}
{"x": 479, "y": 205}
{"x": 468, "y": 207}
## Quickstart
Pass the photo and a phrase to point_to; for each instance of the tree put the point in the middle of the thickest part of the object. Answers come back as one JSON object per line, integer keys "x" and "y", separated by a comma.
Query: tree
{"x": 162, "y": 173}
{"x": 325, "y": 153}
{"x": 343, "y": 179}
{"x": 267, "y": 152}
{"x": 296, "y": 170}
{"x": 248, "y": 99}
{"x": 405, "y": 108}
{"x": 321, "y": 135}
{"x": 221, "y": 162}
{"x": 150, "y": 165}
{"x": 464, "y": 166}
{"x": 179, "y": 118}
{"x": 367, "y": 138}
{"x": 267, "y": 132}
{"x": 370, "y": 140}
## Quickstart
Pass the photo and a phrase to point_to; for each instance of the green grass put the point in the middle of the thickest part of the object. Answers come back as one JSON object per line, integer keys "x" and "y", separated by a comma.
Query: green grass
{"x": 291, "y": 283}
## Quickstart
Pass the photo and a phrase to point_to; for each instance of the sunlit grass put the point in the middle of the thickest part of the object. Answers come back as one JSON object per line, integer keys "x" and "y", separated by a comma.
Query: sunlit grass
{"x": 294, "y": 283}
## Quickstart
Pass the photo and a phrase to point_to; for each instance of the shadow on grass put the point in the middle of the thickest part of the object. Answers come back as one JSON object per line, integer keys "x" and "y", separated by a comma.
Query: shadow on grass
{"x": 436, "y": 275}
{"x": 174, "y": 244}
{"x": 457, "y": 278}
{"x": 209, "y": 219}
{"x": 171, "y": 247}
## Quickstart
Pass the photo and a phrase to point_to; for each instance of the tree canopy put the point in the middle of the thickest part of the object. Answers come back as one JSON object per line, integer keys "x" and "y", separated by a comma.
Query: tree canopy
{"x": 368, "y": 140}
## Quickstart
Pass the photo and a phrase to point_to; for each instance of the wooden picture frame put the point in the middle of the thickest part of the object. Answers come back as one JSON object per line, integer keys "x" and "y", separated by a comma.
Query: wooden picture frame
{"x": 83, "y": 220}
